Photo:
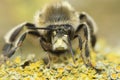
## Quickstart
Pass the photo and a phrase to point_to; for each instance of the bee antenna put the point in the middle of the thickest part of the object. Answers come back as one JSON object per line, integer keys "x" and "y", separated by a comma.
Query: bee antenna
{"x": 42, "y": 28}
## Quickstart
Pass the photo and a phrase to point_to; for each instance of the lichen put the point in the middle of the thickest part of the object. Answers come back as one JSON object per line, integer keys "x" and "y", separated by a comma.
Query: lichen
{"x": 107, "y": 61}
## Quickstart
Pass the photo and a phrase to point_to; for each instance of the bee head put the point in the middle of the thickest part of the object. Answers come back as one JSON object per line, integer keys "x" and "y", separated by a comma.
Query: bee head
{"x": 60, "y": 35}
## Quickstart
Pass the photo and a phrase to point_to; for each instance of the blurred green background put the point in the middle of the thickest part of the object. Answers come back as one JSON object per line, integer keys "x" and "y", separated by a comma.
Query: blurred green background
{"x": 106, "y": 13}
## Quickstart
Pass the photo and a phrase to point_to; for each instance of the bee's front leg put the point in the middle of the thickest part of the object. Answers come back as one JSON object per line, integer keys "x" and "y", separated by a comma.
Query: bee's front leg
{"x": 15, "y": 38}
{"x": 17, "y": 45}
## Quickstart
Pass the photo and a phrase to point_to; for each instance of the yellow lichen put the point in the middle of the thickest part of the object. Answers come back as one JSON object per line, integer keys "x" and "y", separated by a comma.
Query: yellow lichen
{"x": 107, "y": 63}
{"x": 113, "y": 76}
{"x": 17, "y": 60}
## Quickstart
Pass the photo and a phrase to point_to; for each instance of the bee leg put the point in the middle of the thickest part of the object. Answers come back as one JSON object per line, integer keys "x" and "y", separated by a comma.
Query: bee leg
{"x": 84, "y": 17}
{"x": 93, "y": 40}
{"x": 49, "y": 61}
{"x": 87, "y": 55}
{"x": 13, "y": 34}
{"x": 71, "y": 50}
{"x": 84, "y": 54}
{"x": 14, "y": 38}
{"x": 87, "y": 47}
{"x": 84, "y": 43}
{"x": 18, "y": 44}
{"x": 80, "y": 42}
{"x": 6, "y": 48}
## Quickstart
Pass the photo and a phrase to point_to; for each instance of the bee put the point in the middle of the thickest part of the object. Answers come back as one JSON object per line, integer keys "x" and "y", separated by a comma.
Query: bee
{"x": 56, "y": 26}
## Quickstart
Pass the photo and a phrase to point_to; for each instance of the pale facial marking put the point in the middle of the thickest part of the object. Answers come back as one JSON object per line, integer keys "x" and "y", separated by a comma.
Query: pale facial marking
{"x": 60, "y": 43}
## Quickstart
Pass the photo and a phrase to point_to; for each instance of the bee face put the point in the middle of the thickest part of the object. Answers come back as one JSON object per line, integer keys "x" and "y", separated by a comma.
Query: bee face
{"x": 59, "y": 36}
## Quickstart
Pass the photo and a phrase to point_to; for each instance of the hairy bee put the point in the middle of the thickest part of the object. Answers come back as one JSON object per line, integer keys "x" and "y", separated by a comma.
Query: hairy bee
{"x": 56, "y": 26}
